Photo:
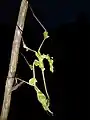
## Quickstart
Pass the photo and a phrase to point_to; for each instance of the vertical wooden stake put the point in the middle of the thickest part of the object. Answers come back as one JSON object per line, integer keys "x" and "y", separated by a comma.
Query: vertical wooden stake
{"x": 13, "y": 60}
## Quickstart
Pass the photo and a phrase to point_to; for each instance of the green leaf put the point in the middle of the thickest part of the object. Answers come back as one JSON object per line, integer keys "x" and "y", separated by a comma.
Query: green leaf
{"x": 43, "y": 100}
{"x": 50, "y": 60}
{"x": 51, "y": 65}
{"x": 45, "y": 34}
{"x": 39, "y": 62}
{"x": 32, "y": 81}
{"x": 36, "y": 63}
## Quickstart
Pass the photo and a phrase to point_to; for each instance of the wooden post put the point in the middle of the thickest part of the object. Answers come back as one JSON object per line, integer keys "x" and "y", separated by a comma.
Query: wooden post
{"x": 13, "y": 60}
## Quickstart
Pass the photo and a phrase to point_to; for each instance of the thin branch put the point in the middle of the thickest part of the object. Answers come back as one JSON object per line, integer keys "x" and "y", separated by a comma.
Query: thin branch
{"x": 41, "y": 45}
{"x": 27, "y": 48}
{"x": 36, "y": 18}
{"x": 22, "y": 80}
{"x": 33, "y": 70}
{"x": 30, "y": 66}
{"x": 13, "y": 60}
{"x": 45, "y": 84}
{"x": 17, "y": 86}
{"x": 25, "y": 59}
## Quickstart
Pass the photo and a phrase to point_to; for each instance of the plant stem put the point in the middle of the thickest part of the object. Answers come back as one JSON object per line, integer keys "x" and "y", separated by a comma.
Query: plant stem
{"x": 13, "y": 60}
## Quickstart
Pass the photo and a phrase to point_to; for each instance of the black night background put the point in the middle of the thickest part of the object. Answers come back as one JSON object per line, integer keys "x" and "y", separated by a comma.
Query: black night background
{"x": 68, "y": 24}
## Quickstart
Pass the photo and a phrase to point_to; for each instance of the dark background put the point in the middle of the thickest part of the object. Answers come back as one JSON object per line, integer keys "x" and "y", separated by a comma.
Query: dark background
{"x": 68, "y": 24}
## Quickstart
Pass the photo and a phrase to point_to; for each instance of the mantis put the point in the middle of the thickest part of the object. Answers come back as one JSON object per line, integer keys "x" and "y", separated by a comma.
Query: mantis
{"x": 44, "y": 100}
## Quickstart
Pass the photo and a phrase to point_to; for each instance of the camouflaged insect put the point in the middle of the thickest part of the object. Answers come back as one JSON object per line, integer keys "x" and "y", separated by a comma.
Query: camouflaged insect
{"x": 45, "y": 101}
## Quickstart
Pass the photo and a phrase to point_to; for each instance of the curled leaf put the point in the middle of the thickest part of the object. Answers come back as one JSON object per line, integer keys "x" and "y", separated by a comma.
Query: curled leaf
{"x": 43, "y": 100}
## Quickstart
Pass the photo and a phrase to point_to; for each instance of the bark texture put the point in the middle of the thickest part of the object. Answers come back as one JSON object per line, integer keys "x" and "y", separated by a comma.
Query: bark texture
{"x": 13, "y": 60}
